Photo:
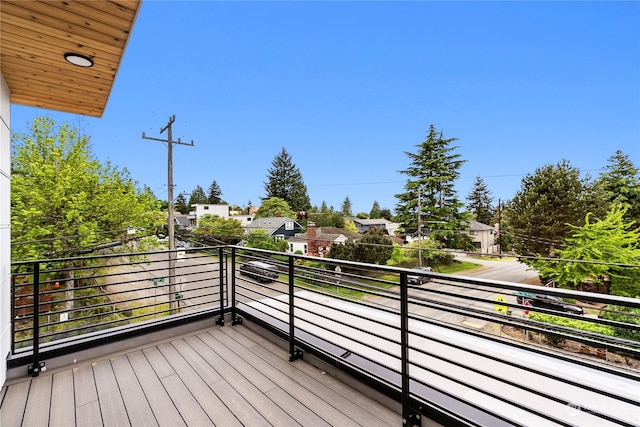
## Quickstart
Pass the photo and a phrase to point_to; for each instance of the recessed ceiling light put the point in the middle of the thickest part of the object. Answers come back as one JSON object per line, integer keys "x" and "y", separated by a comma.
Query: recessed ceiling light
{"x": 79, "y": 60}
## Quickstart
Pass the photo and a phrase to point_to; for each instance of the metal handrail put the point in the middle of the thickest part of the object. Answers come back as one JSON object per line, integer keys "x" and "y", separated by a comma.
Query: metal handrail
{"x": 366, "y": 319}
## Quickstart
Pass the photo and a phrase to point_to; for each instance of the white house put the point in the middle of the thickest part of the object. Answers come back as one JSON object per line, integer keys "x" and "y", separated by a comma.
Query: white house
{"x": 200, "y": 210}
{"x": 483, "y": 237}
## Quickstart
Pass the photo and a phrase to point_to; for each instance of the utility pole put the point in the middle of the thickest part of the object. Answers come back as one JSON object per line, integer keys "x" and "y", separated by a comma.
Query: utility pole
{"x": 173, "y": 303}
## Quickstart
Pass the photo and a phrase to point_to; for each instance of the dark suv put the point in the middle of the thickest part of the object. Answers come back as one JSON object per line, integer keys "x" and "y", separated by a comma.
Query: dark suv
{"x": 260, "y": 271}
{"x": 550, "y": 302}
{"x": 415, "y": 279}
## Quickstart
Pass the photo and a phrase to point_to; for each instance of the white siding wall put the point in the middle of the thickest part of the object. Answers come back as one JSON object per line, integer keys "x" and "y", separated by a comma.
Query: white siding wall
{"x": 220, "y": 210}
{"x": 5, "y": 229}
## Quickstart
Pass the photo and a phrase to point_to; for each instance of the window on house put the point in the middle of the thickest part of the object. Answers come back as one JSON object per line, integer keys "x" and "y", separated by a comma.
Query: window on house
{"x": 288, "y": 225}
{"x": 206, "y": 208}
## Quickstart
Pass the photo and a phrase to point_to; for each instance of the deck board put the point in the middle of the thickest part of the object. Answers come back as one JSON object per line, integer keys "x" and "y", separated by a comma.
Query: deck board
{"x": 136, "y": 403}
{"x": 37, "y": 410}
{"x": 63, "y": 405}
{"x": 223, "y": 376}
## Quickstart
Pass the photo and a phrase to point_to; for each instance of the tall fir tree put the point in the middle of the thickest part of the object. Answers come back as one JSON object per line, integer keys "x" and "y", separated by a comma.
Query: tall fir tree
{"x": 480, "y": 202}
{"x": 284, "y": 181}
{"x": 181, "y": 204}
{"x": 346, "y": 207}
{"x": 198, "y": 197}
{"x": 215, "y": 194}
{"x": 375, "y": 210}
{"x": 430, "y": 190}
{"x": 550, "y": 199}
{"x": 621, "y": 184}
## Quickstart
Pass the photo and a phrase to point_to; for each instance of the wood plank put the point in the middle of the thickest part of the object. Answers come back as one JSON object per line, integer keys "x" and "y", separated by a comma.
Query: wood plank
{"x": 89, "y": 414}
{"x": 302, "y": 387}
{"x": 111, "y": 405}
{"x": 13, "y": 404}
{"x": 160, "y": 365}
{"x": 249, "y": 371}
{"x": 138, "y": 408}
{"x": 298, "y": 412}
{"x": 248, "y": 395}
{"x": 187, "y": 405}
{"x": 198, "y": 389}
{"x": 310, "y": 386}
{"x": 38, "y": 402}
{"x": 196, "y": 361}
{"x": 84, "y": 385}
{"x": 165, "y": 412}
{"x": 62, "y": 400}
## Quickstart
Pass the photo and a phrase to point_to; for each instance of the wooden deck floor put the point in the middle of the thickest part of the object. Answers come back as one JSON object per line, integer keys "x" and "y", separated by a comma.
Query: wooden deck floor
{"x": 223, "y": 376}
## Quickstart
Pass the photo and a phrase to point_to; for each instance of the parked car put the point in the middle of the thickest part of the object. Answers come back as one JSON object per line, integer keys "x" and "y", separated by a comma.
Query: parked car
{"x": 261, "y": 271}
{"x": 418, "y": 279}
{"x": 550, "y": 302}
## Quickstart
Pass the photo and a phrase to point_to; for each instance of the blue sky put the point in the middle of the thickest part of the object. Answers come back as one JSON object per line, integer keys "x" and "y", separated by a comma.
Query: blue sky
{"x": 348, "y": 87}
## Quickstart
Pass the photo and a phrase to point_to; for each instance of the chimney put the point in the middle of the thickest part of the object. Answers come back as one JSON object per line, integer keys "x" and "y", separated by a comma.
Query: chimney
{"x": 311, "y": 239}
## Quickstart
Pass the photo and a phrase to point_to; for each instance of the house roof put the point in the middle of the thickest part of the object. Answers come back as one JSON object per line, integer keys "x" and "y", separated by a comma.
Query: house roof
{"x": 35, "y": 36}
{"x": 368, "y": 221}
{"x": 271, "y": 224}
{"x": 478, "y": 226}
{"x": 330, "y": 234}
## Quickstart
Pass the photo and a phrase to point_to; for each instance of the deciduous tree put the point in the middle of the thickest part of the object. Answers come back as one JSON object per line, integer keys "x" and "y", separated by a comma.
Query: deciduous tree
{"x": 273, "y": 207}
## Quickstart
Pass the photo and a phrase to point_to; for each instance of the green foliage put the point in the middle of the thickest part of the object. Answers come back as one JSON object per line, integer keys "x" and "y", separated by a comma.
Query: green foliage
{"x": 375, "y": 211}
{"x": 260, "y": 239}
{"x": 626, "y": 315}
{"x": 350, "y": 226}
{"x": 373, "y": 248}
{"x": 63, "y": 200}
{"x": 480, "y": 202}
{"x": 432, "y": 254}
{"x": 430, "y": 189}
{"x": 547, "y": 203}
{"x": 326, "y": 217}
{"x": 607, "y": 241}
{"x": 227, "y": 230}
{"x": 621, "y": 184}
{"x": 274, "y": 207}
{"x": 346, "y": 207}
{"x": 215, "y": 194}
{"x": 285, "y": 182}
{"x": 181, "y": 204}
{"x": 198, "y": 197}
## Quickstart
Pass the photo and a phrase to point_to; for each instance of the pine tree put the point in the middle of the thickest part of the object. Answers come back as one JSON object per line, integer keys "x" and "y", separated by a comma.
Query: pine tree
{"x": 181, "y": 204}
{"x": 621, "y": 184}
{"x": 346, "y": 207}
{"x": 198, "y": 197}
{"x": 375, "y": 211}
{"x": 480, "y": 202}
{"x": 215, "y": 194}
{"x": 430, "y": 189}
{"x": 285, "y": 182}
{"x": 548, "y": 200}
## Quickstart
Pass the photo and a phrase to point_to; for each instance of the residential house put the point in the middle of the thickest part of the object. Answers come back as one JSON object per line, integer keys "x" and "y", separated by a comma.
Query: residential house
{"x": 364, "y": 225}
{"x": 276, "y": 227}
{"x": 200, "y": 210}
{"x": 483, "y": 237}
{"x": 316, "y": 241}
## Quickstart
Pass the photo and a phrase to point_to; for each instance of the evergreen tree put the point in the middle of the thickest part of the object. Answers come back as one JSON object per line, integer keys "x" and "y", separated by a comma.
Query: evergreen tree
{"x": 181, "y": 204}
{"x": 548, "y": 200}
{"x": 198, "y": 197}
{"x": 386, "y": 214}
{"x": 375, "y": 211}
{"x": 215, "y": 194}
{"x": 480, "y": 202}
{"x": 621, "y": 184}
{"x": 346, "y": 207}
{"x": 430, "y": 190}
{"x": 285, "y": 181}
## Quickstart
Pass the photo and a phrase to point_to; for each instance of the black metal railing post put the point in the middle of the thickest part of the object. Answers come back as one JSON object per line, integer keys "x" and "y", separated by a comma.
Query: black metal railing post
{"x": 220, "y": 320}
{"x": 293, "y": 352}
{"x": 35, "y": 368}
{"x": 235, "y": 319}
{"x": 409, "y": 416}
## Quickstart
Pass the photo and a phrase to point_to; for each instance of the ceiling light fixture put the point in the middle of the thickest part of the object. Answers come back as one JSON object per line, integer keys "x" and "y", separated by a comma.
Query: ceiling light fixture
{"x": 79, "y": 60}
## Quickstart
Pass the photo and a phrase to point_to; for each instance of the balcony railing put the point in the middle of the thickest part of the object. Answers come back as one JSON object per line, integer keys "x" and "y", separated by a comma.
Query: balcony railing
{"x": 450, "y": 348}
